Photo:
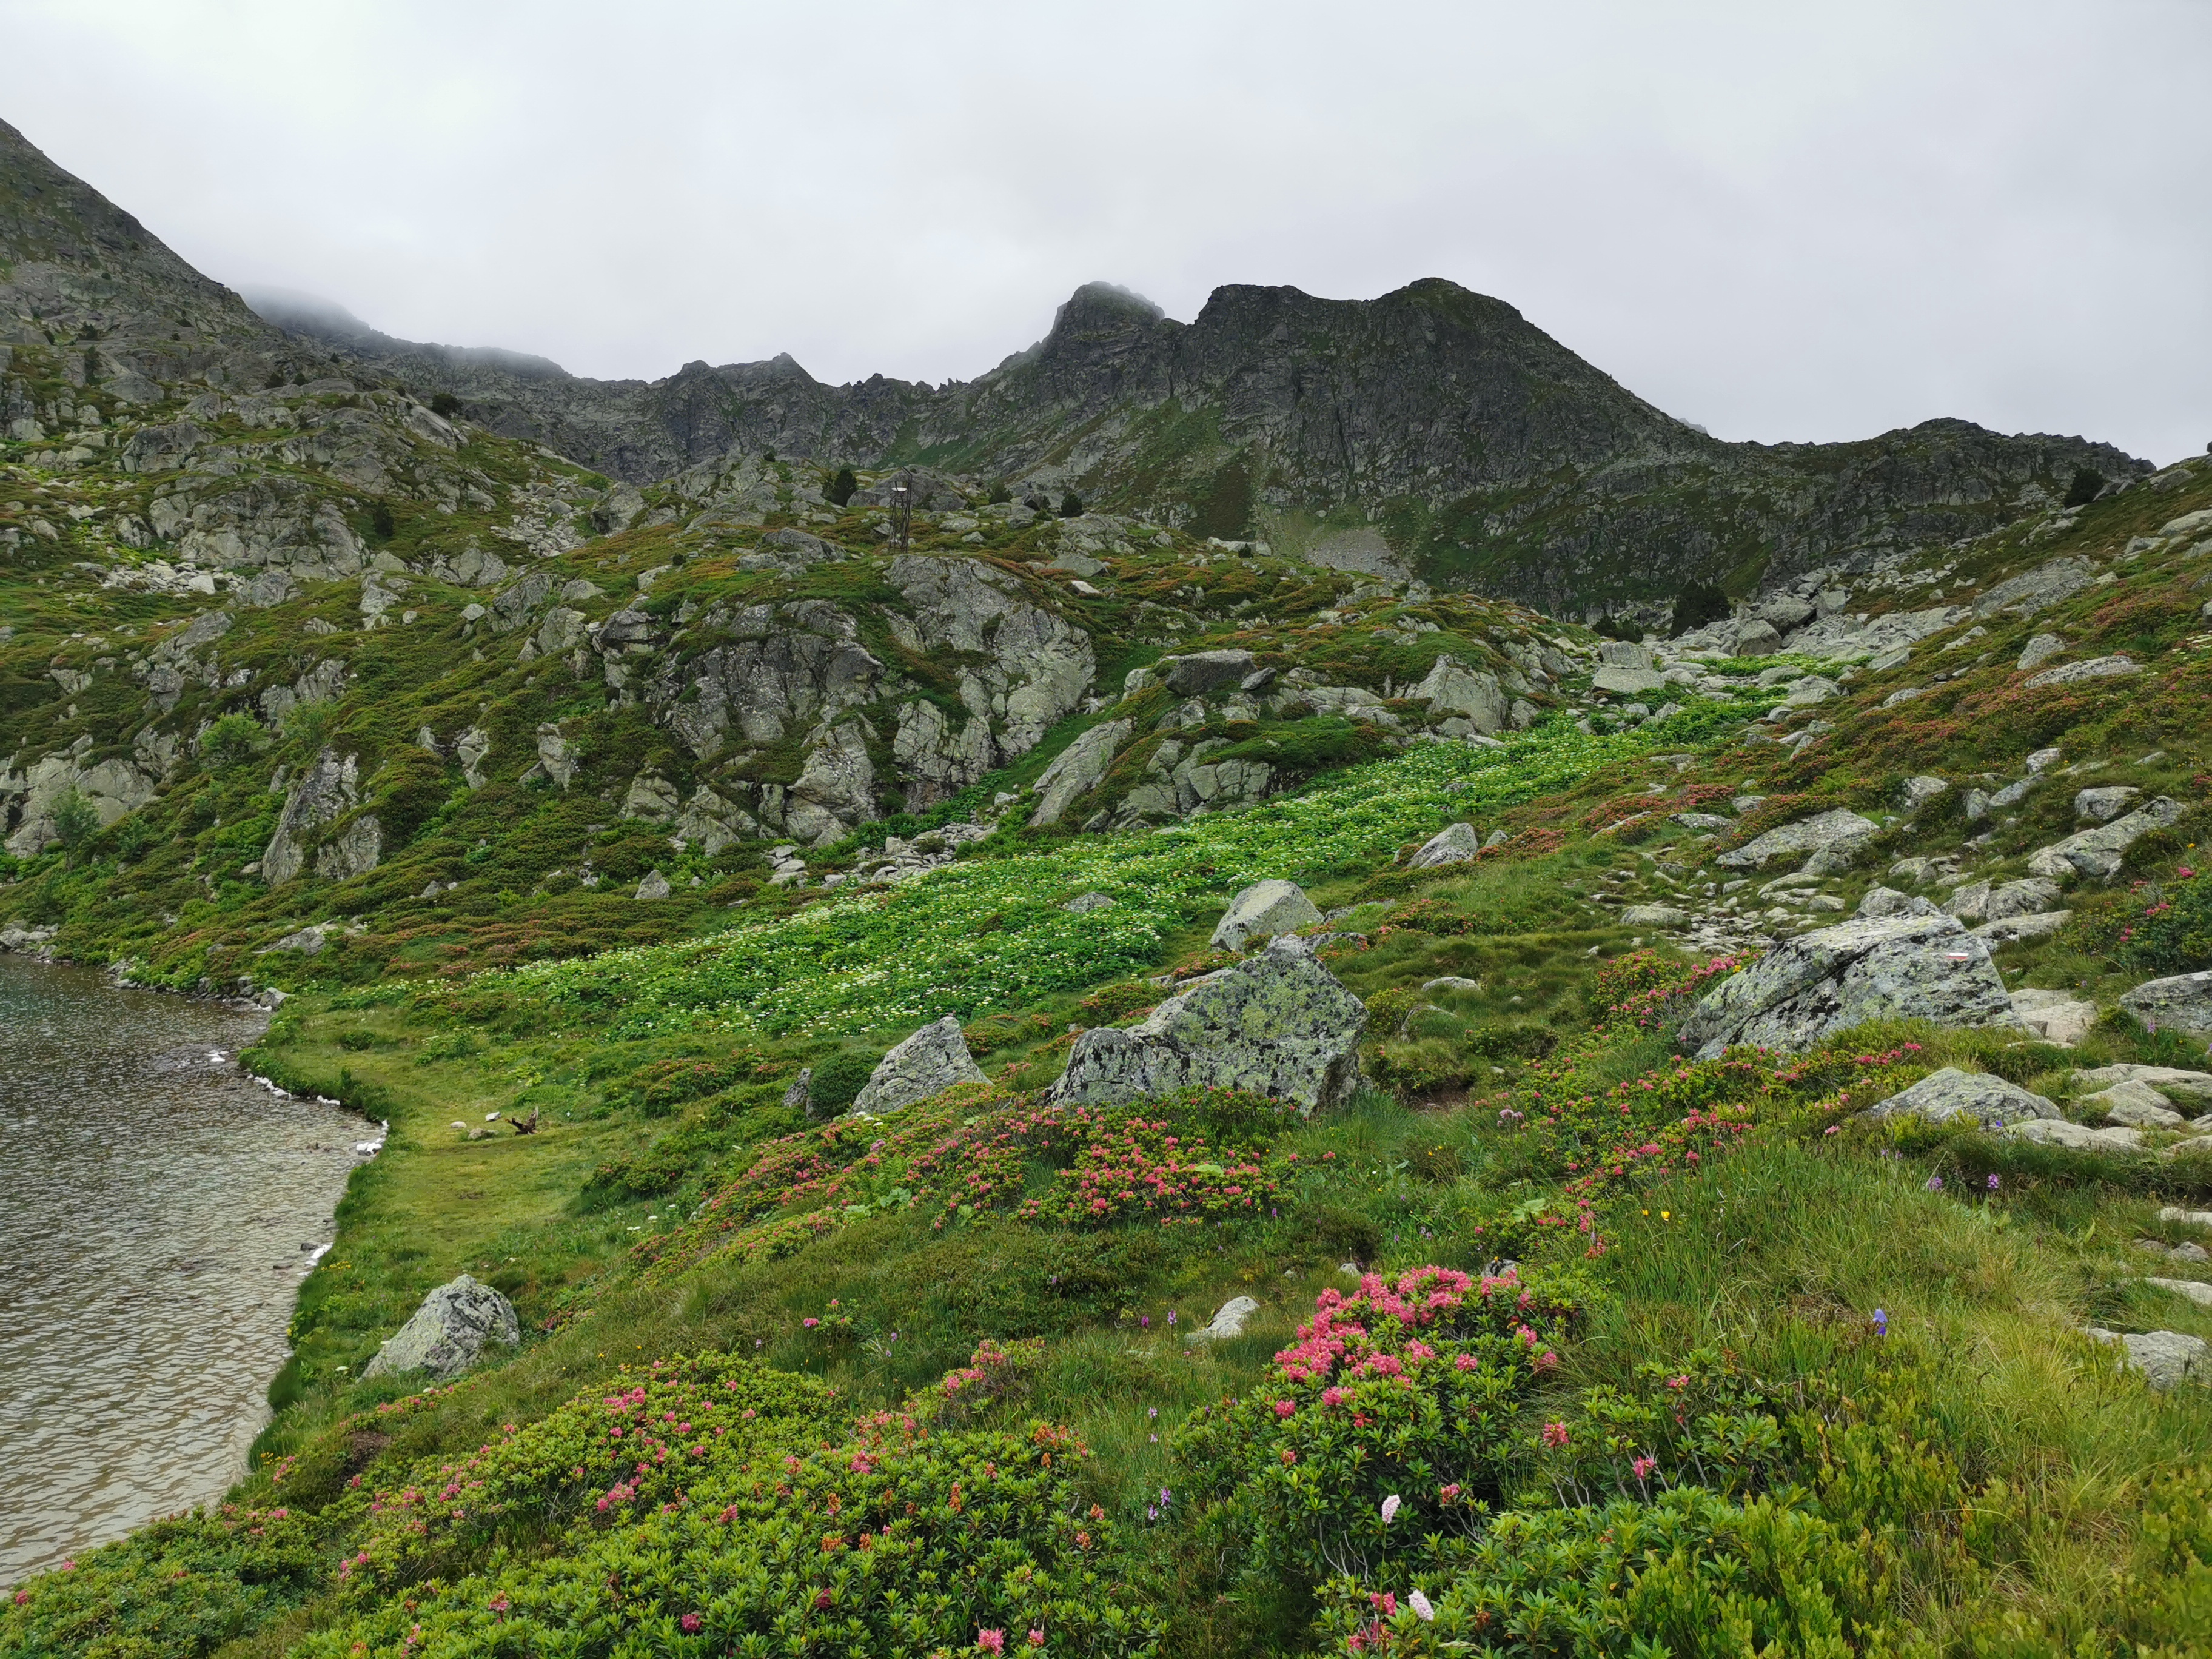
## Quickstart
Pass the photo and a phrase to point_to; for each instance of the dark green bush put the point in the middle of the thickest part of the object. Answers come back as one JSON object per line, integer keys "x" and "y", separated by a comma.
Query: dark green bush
{"x": 842, "y": 487}
{"x": 837, "y": 1082}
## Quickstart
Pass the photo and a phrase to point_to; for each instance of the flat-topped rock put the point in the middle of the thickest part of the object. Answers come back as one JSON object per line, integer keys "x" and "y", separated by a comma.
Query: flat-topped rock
{"x": 2134, "y": 1103}
{"x": 2192, "y": 1088}
{"x": 2056, "y": 1017}
{"x": 2165, "y": 1358}
{"x": 1823, "y": 832}
{"x": 2097, "y": 855}
{"x": 1942, "y": 1096}
{"x": 2077, "y": 1137}
{"x": 1228, "y": 1320}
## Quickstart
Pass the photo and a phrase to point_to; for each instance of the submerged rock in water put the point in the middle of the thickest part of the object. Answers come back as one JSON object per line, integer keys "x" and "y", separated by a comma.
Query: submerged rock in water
{"x": 448, "y": 1332}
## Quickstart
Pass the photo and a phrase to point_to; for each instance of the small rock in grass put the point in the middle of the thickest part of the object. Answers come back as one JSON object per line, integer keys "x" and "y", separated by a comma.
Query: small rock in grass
{"x": 2165, "y": 1358}
{"x": 2075, "y": 1137}
{"x": 2136, "y": 1104}
{"x": 2201, "y": 1294}
{"x": 1228, "y": 1321}
{"x": 2183, "y": 1002}
{"x": 1942, "y": 1096}
{"x": 2055, "y": 1016}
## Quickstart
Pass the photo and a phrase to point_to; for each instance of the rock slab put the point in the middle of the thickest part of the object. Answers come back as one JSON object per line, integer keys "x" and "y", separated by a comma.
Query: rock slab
{"x": 1833, "y": 978}
{"x": 1826, "y": 832}
{"x": 2165, "y": 1358}
{"x": 1942, "y": 1096}
{"x": 931, "y": 1061}
{"x": 1456, "y": 843}
{"x": 1279, "y": 1024}
{"x": 449, "y": 1331}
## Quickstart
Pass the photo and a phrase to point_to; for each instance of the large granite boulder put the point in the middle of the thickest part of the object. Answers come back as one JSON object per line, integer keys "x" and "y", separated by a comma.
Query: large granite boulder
{"x": 1833, "y": 978}
{"x": 1206, "y": 670}
{"x": 1839, "y": 833}
{"x": 2183, "y": 1002}
{"x": 2095, "y": 854}
{"x": 1279, "y": 1024}
{"x": 1942, "y": 1096}
{"x": 931, "y": 1061}
{"x": 449, "y": 1331}
{"x": 1263, "y": 911}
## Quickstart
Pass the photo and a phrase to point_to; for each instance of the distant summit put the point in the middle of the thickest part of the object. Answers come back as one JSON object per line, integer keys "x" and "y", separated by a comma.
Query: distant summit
{"x": 1478, "y": 451}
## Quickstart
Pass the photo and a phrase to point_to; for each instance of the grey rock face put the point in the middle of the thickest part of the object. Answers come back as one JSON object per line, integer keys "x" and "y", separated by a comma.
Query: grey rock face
{"x": 836, "y": 791}
{"x": 1456, "y": 843}
{"x": 651, "y": 798}
{"x": 1942, "y": 1096}
{"x": 1278, "y": 1023}
{"x": 1078, "y": 769}
{"x": 353, "y": 850}
{"x": 1838, "y": 830}
{"x": 449, "y": 1332}
{"x": 712, "y": 822}
{"x": 2194, "y": 1290}
{"x": 2075, "y": 673}
{"x": 931, "y": 1061}
{"x": 1228, "y": 1321}
{"x": 2012, "y": 929}
{"x": 1263, "y": 911}
{"x": 2167, "y": 1359}
{"x": 2102, "y": 806}
{"x": 2038, "y": 589}
{"x": 2076, "y": 1137}
{"x": 1655, "y": 916}
{"x": 1206, "y": 670}
{"x": 322, "y": 792}
{"x": 654, "y": 886}
{"x": 2192, "y": 1088}
{"x": 2038, "y": 651}
{"x": 1627, "y": 682}
{"x": 2183, "y": 1002}
{"x": 1832, "y": 979}
{"x": 1083, "y": 903}
{"x": 2134, "y": 1104}
{"x": 2097, "y": 855}
{"x": 1919, "y": 792}
{"x": 1476, "y": 697}
{"x": 1888, "y": 902}
{"x": 2054, "y": 1016}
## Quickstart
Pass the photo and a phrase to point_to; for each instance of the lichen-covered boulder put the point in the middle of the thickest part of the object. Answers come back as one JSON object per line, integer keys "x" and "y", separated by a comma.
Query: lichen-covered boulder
{"x": 2185, "y": 1002}
{"x": 1942, "y": 1096}
{"x": 1833, "y": 978}
{"x": 2096, "y": 855}
{"x": 449, "y": 1331}
{"x": 931, "y": 1061}
{"x": 1263, "y": 911}
{"x": 1833, "y": 833}
{"x": 1279, "y": 1024}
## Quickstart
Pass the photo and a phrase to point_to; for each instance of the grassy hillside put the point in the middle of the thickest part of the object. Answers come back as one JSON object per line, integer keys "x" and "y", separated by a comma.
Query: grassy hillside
{"x": 1565, "y": 1342}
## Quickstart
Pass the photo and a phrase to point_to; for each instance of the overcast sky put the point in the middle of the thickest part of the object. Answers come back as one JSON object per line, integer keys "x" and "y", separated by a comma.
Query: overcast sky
{"x": 1778, "y": 220}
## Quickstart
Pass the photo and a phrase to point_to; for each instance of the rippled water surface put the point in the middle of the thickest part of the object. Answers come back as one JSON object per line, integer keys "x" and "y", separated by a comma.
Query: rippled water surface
{"x": 154, "y": 1202}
